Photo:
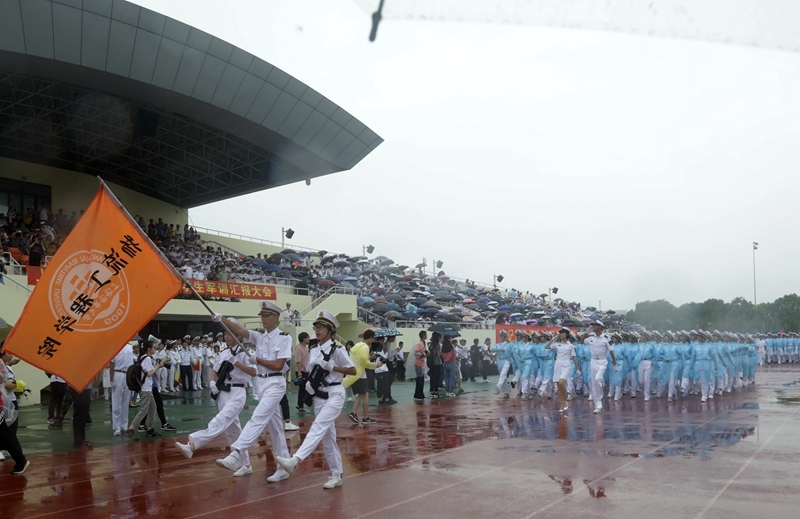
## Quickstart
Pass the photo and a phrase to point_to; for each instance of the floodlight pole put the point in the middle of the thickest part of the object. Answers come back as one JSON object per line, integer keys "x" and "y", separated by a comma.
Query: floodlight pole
{"x": 755, "y": 248}
{"x": 283, "y": 235}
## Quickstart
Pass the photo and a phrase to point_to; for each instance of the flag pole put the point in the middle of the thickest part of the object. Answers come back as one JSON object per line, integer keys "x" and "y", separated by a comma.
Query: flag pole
{"x": 163, "y": 258}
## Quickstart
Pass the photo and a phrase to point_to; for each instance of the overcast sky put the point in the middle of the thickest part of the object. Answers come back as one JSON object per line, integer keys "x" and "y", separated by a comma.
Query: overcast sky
{"x": 618, "y": 168}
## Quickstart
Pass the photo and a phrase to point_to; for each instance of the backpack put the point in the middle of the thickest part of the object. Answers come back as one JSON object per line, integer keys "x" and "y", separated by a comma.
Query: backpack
{"x": 135, "y": 376}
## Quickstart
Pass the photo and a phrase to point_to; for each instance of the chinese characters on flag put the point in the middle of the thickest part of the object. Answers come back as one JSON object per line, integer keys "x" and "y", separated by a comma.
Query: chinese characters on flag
{"x": 231, "y": 289}
{"x": 105, "y": 282}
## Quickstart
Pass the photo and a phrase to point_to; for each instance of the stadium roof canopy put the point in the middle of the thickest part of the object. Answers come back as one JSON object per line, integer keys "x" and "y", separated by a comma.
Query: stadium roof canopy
{"x": 108, "y": 88}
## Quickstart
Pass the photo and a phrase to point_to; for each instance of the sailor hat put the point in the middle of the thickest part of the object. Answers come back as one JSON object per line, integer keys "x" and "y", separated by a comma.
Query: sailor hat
{"x": 598, "y": 322}
{"x": 326, "y": 318}
{"x": 269, "y": 308}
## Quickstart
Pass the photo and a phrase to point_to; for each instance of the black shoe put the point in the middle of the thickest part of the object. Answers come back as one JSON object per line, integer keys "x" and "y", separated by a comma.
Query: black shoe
{"x": 354, "y": 417}
{"x": 513, "y": 384}
{"x": 368, "y": 420}
{"x": 88, "y": 445}
{"x": 302, "y": 410}
{"x": 142, "y": 427}
{"x": 152, "y": 433}
{"x": 168, "y": 427}
{"x": 390, "y": 401}
{"x": 131, "y": 434}
{"x": 20, "y": 469}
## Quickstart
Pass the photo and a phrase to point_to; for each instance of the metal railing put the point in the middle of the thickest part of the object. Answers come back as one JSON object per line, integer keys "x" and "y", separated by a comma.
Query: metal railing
{"x": 326, "y": 294}
{"x": 19, "y": 285}
{"x": 13, "y": 266}
{"x": 214, "y": 232}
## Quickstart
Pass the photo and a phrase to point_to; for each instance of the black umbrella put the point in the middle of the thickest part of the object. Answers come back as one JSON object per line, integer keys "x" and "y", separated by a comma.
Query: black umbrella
{"x": 381, "y": 308}
{"x": 418, "y": 301}
{"x": 394, "y": 297}
{"x": 289, "y": 251}
{"x": 387, "y": 261}
{"x": 278, "y": 255}
{"x": 446, "y": 329}
{"x": 381, "y": 258}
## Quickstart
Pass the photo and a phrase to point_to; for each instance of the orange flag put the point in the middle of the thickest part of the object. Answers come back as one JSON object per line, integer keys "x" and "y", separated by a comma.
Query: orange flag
{"x": 103, "y": 285}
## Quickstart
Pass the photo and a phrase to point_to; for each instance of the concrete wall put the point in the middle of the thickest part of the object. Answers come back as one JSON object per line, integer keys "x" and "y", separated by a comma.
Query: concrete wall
{"x": 72, "y": 191}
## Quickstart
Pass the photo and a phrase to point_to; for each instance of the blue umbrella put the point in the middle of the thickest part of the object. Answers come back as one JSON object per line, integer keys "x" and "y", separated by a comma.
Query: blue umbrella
{"x": 261, "y": 263}
{"x": 483, "y": 299}
{"x": 504, "y": 308}
{"x": 427, "y": 311}
{"x": 395, "y": 306}
{"x": 365, "y": 301}
{"x": 350, "y": 278}
{"x": 410, "y": 316}
{"x": 274, "y": 268}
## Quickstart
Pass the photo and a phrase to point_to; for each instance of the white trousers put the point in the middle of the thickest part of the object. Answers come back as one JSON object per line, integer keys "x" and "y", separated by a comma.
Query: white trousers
{"x": 162, "y": 380}
{"x": 323, "y": 430}
{"x": 120, "y": 401}
{"x": 645, "y": 376}
{"x": 266, "y": 415}
{"x": 597, "y": 371}
{"x": 502, "y": 382}
{"x": 170, "y": 380}
{"x": 230, "y": 404}
{"x": 196, "y": 374}
{"x": 206, "y": 374}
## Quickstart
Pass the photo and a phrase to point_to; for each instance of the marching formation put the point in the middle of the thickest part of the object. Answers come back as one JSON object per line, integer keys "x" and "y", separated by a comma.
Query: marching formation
{"x": 650, "y": 363}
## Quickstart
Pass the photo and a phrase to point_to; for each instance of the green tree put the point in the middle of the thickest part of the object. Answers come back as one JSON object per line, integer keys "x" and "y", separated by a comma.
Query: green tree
{"x": 787, "y": 312}
{"x": 658, "y": 315}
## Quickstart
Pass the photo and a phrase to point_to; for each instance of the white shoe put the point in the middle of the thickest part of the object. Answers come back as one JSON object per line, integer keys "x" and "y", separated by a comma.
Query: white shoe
{"x": 647, "y": 399}
{"x": 333, "y": 482}
{"x": 116, "y": 433}
{"x": 289, "y": 426}
{"x": 288, "y": 464}
{"x": 186, "y": 450}
{"x": 496, "y": 391}
{"x": 244, "y": 470}
{"x": 703, "y": 399}
{"x": 232, "y": 462}
{"x": 277, "y": 477}
{"x": 596, "y": 410}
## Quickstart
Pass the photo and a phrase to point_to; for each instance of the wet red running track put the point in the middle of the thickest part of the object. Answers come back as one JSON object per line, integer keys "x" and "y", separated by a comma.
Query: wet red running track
{"x": 475, "y": 456}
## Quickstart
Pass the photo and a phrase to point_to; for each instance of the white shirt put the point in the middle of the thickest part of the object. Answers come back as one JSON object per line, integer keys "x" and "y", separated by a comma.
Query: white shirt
{"x": 599, "y": 345}
{"x": 237, "y": 375}
{"x": 339, "y": 358}
{"x": 287, "y": 317}
{"x": 147, "y": 365}
{"x": 124, "y": 359}
{"x": 564, "y": 350}
{"x": 271, "y": 346}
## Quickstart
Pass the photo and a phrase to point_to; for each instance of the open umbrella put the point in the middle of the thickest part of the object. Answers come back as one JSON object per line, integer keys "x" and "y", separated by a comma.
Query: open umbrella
{"x": 325, "y": 283}
{"x": 430, "y": 304}
{"x": 427, "y": 311}
{"x": 543, "y": 295}
{"x": 362, "y": 301}
{"x": 387, "y": 261}
{"x": 421, "y": 265}
{"x": 504, "y": 308}
{"x": 288, "y": 251}
{"x": 394, "y": 314}
{"x": 340, "y": 263}
{"x": 378, "y": 290}
{"x": 381, "y": 258}
{"x": 350, "y": 278}
{"x": 394, "y": 297}
{"x": 395, "y": 306}
{"x": 381, "y": 300}
{"x": 381, "y": 308}
{"x": 446, "y": 329}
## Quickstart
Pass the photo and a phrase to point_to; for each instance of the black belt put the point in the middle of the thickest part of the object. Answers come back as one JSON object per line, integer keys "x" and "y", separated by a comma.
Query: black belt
{"x": 335, "y": 384}
{"x": 273, "y": 374}
{"x": 121, "y": 370}
{"x": 238, "y": 385}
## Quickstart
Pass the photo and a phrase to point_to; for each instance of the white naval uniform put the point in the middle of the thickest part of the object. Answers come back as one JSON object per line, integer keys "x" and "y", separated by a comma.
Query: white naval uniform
{"x": 197, "y": 356}
{"x": 230, "y": 404}
{"x": 121, "y": 395}
{"x": 323, "y": 430}
{"x": 599, "y": 346}
{"x": 270, "y": 390}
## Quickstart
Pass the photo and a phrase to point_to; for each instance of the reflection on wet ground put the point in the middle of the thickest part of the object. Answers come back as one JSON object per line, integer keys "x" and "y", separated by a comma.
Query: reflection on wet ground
{"x": 472, "y": 456}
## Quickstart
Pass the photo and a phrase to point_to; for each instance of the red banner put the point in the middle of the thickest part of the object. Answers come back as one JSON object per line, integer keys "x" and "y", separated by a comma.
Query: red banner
{"x": 232, "y": 289}
{"x": 511, "y": 330}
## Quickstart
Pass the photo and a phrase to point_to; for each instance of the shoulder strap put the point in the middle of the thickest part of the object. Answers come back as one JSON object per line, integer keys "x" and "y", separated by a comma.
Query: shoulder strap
{"x": 327, "y": 356}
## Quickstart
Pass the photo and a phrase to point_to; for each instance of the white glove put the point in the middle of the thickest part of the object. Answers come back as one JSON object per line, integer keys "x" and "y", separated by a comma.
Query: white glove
{"x": 327, "y": 366}
{"x": 251, "y": 356}
{"x": 309, "y": 389}
{"x": 217, "y": 318}
{"x": 616, "y": 368}
{"x": 578, "y": 372}
{"x": 214, "y": 389}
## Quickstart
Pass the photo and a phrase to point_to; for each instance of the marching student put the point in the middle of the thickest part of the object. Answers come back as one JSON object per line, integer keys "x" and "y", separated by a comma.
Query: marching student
{"x": 328, "y": 400}
{"x": 230, "y": 401}
{"x": 565, "y": 357}
{"x": 273, "y": 349}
